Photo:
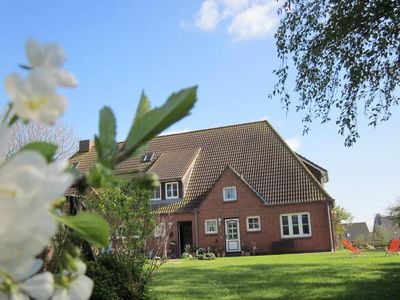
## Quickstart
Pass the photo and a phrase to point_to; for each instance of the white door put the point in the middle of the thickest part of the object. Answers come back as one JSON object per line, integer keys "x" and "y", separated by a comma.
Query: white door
{"x": 232, "y": 235}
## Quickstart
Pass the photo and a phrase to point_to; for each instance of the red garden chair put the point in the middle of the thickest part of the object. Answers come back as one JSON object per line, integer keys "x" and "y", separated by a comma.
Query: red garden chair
{"x": 394, "y": 247}
{"x": 354, "y": 250}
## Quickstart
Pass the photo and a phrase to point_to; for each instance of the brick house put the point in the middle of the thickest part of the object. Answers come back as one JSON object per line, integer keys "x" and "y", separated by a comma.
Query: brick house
{"x": 234, "y": 188}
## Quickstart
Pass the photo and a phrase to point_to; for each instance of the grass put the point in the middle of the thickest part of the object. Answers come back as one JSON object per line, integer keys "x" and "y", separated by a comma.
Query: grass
{"x": 290, "y": 276}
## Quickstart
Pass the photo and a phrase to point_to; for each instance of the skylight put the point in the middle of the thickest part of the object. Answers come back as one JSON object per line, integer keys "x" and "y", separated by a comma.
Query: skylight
{"x": 148, "y": 157}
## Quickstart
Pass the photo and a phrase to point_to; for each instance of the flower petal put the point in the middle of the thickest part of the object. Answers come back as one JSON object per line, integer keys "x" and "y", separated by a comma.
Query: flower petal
{"x": 34, "y": 52}
{"x": 53, "y": 55}
{"x": 14, "y": 85}
{"x": 61, "y": 294}
{"x": 81, "y": 288}
{"x": 39, "y": 286}
{"x": 65, "y": 78}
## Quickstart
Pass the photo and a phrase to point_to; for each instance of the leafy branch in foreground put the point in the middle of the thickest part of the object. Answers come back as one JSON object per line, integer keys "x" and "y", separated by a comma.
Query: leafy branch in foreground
{"x": 346, "y": 55}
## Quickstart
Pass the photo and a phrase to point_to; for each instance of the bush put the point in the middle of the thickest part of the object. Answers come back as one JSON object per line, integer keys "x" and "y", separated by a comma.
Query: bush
{"x": 186, "y": 255}
{"x": 117, "y": 277}
{"x": 205, "y": 256}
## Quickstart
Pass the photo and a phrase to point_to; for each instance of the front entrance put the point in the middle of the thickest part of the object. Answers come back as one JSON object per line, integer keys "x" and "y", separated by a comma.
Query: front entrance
{"x": 185, "y": 235}
{"x": 232, "y": 235}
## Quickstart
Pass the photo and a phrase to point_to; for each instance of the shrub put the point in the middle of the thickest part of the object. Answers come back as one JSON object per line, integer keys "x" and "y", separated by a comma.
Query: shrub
{"x": 186, "y": 255}
{"x": 117, "y": 277}
{"x": 205, "y": 256}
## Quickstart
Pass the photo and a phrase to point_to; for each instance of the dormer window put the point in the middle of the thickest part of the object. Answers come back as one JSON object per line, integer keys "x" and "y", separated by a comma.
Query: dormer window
{"x": 156, "y": 193}
{"x": 75, "y": 164}
{"x": 171, "y": 190}
{"x": 230, "y": 193}
{"x": 148, "y": 157}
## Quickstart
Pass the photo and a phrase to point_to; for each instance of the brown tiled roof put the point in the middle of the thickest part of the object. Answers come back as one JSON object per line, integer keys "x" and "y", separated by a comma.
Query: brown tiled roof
{"x": 254, "y": 150}
{"x": 173, "y": 165}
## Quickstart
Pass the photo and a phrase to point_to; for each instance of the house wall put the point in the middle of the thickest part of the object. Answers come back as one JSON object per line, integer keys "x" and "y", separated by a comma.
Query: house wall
{"x": 172, "y": 235}
{"x": 249, "y": 204}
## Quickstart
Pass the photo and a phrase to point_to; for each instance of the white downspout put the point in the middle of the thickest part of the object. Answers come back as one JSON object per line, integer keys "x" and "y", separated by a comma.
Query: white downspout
{"x": 330, "y": 227}
{"x": 196, "y": 222}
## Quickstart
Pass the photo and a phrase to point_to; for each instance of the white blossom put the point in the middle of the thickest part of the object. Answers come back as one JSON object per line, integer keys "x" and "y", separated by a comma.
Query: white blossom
{"x": 28, "y": 185}
{"x": 39, "y": 286}
{"x": 80, "y": 286}
{"x": 48, "y": 60}
{"x": 33, "y": 99}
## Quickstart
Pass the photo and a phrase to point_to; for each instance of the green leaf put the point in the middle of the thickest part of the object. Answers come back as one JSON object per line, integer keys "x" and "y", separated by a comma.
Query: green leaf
{"x": 91, "y": 227}
{"x": 148, "y": 125}
{"x": 144, "y": 106}
{"x": 48, "y": 150}
{"x": 107, "y": 133}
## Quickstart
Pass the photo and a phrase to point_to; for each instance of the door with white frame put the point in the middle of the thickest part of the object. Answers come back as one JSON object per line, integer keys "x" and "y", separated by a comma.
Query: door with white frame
{"x": 232, "y": 235}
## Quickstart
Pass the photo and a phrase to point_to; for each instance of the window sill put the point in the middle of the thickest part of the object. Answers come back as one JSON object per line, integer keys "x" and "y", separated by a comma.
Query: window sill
{"x": 296, "y": 237}
{"x": 211, "y": 233}
{"x": 253, "y": 231}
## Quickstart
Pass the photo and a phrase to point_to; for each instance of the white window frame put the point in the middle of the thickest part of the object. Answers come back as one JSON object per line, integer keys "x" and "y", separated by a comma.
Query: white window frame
{"x": 177, "y": 190}
{"x": 230, "y": 199}
{"x": 206, "y": 228}
{"x": 253, "y": 229}
{"x": 160, "y": 230}
{"x": 159, "y": 188}
{"x": 301, "y": 234}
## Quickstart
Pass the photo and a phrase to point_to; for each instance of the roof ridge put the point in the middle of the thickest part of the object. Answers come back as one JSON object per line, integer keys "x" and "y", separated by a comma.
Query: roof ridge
{"x": 209, "y": 129}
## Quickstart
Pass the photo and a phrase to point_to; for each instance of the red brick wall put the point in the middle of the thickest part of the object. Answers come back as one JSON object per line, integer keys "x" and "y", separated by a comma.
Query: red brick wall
{"x": 172, "y": 231}
{"x": 248, "y": 204}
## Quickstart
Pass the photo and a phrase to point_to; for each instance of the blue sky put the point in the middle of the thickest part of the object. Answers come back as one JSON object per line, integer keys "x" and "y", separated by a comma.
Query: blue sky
{"x": 118, "y": 48}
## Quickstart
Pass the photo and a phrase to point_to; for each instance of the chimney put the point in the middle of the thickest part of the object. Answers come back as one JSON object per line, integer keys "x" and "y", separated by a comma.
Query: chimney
{"x": 85, "y": 145}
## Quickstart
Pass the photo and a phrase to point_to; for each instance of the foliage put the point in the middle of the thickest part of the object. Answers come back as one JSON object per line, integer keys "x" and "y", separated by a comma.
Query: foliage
{"x": 346, "y": 55}
{"x": 394, "y": 212}
{"x": 340, "y": 216}
{"x": 32, "y": 185}
{"x": 117, "y": 277}
{"x": 186, "y": 255}
{"x": 205, "y": 256}
{"x": 290, "y": 276}
{"x": 127, "y": 210}
{"x": 381, "y": 235}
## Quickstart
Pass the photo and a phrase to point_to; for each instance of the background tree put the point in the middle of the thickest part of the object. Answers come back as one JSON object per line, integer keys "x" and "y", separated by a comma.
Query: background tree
{"x": 127, "y": 210}
{"x": 394, "y": 212}
{"x": 340, "y": 216}
{"x": 59, "y": 134}
{"x": 346, "y": 55}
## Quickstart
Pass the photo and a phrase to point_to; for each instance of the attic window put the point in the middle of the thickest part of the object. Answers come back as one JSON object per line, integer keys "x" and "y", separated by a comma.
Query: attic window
{"x": 75, "y": 164}
{"x": 148, "y": 157}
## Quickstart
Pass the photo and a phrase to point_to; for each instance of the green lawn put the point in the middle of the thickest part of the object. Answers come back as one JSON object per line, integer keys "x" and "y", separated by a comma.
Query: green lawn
{"x": 291, "y": 276}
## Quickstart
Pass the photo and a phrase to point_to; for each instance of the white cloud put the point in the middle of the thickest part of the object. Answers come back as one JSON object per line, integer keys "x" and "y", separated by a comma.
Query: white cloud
{"x": 244, "y": 19}
{"x": 258, "y": 21}
{"x": 294, "y": 143}
{"x": 208, "y": 16}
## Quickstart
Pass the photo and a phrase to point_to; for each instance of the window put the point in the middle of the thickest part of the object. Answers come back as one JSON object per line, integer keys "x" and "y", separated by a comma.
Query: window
{"x": 230, "y": 193}
{"x": 148, "y": 157}
{"x": 159, "y": 231}
{"x": 171, "y": 190}
{"x": 253, "y": 223}
{"x": 211, "y": 226}
{"x": 156, "y": 193}
{"x": 295, "y": 225}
